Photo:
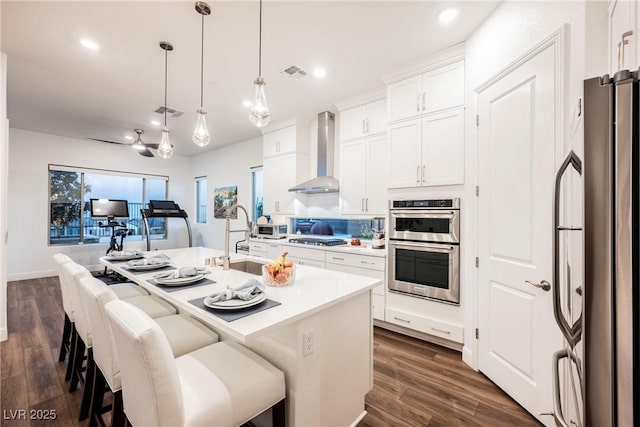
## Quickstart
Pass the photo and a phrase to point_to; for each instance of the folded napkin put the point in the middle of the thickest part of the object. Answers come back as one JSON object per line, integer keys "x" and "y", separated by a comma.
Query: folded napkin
{"x": 156, "y": 259}
{"x": 246, "y": 292}
{"x": 182, "y": 272}
{"x": 122, "y": 254}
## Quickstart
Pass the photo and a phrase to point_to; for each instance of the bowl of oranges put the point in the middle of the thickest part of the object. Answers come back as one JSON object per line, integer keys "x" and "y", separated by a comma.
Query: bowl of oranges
{"x": 280, "y": 272}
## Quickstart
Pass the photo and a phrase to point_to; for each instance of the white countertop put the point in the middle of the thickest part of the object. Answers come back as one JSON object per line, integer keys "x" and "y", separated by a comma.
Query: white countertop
{"x": 364, "y": 249}
{"x": 314, "y": 290}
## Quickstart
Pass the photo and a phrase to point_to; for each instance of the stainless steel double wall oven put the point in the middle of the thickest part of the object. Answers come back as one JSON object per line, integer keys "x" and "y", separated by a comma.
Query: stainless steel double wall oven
{"x": 424, "y": 249}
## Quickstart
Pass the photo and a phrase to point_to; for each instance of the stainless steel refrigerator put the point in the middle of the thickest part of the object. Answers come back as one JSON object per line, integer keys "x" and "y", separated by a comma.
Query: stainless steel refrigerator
{"x": 607, "y": 332}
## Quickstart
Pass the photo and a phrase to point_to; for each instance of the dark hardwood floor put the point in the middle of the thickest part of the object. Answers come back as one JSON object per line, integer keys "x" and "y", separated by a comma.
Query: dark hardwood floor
{"x": 415, "y": 383}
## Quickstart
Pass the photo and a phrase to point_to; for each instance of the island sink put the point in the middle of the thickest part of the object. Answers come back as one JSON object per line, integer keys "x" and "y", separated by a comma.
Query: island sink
{"x": 251, "y": 267}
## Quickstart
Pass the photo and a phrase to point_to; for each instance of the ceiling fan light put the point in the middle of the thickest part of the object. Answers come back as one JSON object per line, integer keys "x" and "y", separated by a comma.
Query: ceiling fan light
{"x": 165, "y": 149}
{"x": 201, "y": 133}
{"x": 138, "y": 145}
{"x": 259, "y": 113}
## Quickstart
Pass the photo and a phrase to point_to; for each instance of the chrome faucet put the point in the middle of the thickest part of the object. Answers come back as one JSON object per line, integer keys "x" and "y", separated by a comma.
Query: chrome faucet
{"x": 227, "y": 232}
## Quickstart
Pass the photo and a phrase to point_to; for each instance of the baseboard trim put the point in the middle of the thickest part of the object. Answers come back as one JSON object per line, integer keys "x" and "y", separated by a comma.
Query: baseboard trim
{"x": 4, "y": 334}
{"x": 467, "y": 357}
{"x": 360, "y": 418}
{"x": 44, "y": 273}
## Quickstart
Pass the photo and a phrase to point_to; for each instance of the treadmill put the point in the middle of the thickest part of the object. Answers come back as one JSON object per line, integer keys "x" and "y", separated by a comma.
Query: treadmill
{"x": 163, "y": 209}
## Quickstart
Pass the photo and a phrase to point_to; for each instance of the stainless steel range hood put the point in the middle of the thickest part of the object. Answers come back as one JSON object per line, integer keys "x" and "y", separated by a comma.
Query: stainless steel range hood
{"x": 324, "y": 182}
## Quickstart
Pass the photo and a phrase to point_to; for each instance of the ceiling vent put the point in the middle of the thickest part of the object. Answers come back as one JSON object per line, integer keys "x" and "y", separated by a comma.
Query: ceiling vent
{"x": 171, "y": 111}
{"x": 294, "y": 71}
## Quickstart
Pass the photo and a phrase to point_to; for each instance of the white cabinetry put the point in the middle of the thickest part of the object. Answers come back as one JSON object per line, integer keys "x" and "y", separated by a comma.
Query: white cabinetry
{"x": 306, "y": 256}
{"x": 623, "y": 35}
{"x": 279, "y": 174}
{"x": 274, "y": 250}
{"x": 435, "y": 90}
{"x": 285, "y": 148}
{"x": 364, "y": 175}
{"x": 418, "y": 322}
{"x": 365, "y": 266}
{"x": 364, "y": 120}
{"x": 427, "y": 151}
{"x": 258, "y": 249}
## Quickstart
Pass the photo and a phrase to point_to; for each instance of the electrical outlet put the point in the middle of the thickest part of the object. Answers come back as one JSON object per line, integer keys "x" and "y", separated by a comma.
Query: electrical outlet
{"x": 307, "y": 343}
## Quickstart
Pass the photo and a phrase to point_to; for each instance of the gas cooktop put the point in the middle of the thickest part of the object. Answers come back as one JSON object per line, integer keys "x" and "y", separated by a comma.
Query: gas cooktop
{"x": 318, "y": 241}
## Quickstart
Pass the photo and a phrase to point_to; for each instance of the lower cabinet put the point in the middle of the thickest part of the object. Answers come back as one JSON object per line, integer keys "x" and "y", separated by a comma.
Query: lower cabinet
{"x": 306, "y": 256}
{"x": 258, "y": 249}
{"x": 438, "y": 328}
{"x": 364, "y": 266}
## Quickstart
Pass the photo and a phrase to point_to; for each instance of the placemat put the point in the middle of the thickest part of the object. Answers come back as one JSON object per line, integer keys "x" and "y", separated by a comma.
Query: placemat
{"x": 231, "y": 315}
{"x": 155, "y": 270}
{"x": 179, "y": 288}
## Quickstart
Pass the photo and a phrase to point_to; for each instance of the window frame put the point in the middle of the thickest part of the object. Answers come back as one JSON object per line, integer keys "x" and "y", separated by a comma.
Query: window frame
{"x": 197, "y": 181}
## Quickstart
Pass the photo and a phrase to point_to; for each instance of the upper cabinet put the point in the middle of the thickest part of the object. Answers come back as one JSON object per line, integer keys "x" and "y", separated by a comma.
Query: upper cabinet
{"x": 623, "y": 30}
{"x": 286, "y": 140}
{"x": 364, "y": 120}
{"x": 433, "y": 91}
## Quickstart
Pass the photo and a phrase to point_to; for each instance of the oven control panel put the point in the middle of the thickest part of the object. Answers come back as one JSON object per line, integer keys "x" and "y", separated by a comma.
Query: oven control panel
{"x": 430, "y": 204}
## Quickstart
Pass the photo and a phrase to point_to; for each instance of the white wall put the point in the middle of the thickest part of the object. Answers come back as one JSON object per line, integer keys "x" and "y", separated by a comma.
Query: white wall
{"x": 30, "y": 153}
{"x": 226, "y": 166}
{"x": 512, "y": 30}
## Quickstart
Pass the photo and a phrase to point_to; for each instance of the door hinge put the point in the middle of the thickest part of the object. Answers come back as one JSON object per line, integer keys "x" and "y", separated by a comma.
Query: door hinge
{"x": 477, "y": 120}
{"x": 477, "y": 333}
{"x": 477, "y": 191}
{"x": 477, "y": 262}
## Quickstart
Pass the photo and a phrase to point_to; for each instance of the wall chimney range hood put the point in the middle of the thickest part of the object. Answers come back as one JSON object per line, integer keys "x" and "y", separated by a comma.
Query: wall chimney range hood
{"x": 324, "y": 182}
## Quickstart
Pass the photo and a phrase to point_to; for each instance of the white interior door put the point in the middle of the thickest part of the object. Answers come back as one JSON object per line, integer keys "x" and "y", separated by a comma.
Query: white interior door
{"x": 516, "y": 154}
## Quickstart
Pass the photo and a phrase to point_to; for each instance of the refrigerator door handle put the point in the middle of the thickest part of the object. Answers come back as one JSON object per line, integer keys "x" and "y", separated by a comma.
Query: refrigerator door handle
{"x": 557, "y": 405}
{"x": 572, "y": 333}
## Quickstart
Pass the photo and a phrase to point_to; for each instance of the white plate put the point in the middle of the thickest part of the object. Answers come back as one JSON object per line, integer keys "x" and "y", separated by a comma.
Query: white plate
{"x": 236, "y": 304}
{"x": 180, "y": 280}
{"x": 142, "y": 267}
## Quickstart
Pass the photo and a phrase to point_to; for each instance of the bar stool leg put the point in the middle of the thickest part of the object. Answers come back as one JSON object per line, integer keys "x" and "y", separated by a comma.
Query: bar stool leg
{"x": 72, "y": 352}
{"x": 66, "y": 338}
{"x": 88, "y": 389}
{"x": 78, "y": 358}
{"x": 118, "y": 418}
{"x": 278, "y": 414}
{"x": 97, "y": 400}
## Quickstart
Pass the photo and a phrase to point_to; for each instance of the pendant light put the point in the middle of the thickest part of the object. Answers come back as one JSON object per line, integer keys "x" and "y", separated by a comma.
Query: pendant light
{"x": 201, "y": 133}
{"x": 165, "y": 149}
{"x": 259, "y": 113}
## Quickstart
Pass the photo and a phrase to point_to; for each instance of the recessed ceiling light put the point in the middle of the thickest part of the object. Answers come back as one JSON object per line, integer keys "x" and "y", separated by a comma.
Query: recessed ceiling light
{"x": 448, "y": 15}
{"x": 247, "y": 103}
{"x": 128, "y": 137}
{"x": 89, "y": 44}
{"x": 319, "y": 72}
{"x": 155, "y": 122}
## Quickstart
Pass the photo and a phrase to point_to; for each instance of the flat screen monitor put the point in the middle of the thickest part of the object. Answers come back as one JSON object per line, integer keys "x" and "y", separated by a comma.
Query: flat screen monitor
{"x": 108, "y": 208}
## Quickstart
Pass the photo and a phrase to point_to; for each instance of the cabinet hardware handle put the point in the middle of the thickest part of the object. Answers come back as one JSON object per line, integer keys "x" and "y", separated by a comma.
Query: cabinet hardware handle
{"x": 402, "y": 320}
{"x": 362, "y": 204}
{"x": 366, "y": 204}
{"x": 424, "y": 107}
{"x": 367, "y": 127}
{"x": 277, "y": 146}
{"x": 544, "y": 285}
{"x": 418, "y": 103}
{"x": 423, "y": 166}
{"x": 336, "y": 258}
{"x": 367, "y": 262}
{"x": 440, "y": 330}
{"x": 363, "y": 128}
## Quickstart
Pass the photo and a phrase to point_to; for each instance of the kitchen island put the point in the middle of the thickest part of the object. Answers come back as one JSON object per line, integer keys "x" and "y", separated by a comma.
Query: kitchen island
{"x": 327, "y": 376}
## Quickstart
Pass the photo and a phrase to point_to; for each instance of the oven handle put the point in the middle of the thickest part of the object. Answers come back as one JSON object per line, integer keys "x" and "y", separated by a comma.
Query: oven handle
{"x": 433, "y": 247}
{"x": 421, "y": 213}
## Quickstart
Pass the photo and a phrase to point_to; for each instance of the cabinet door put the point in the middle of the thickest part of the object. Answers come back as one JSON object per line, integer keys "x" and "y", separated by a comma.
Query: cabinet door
{"x": 288, "y": 142}
{"x": 352, "y": 123}
{"x": 271, "y": 144}
{"x": 622, "y": 19}
{"x": 377, "y": 175}
{"x": 270, "y": 186}
{"x": 286, "y": 178}
{"x": 405, "y": 154}
{"x": 443, "y": 88}
{"x": 376, "y": 117}
{"x": 443, "y": 148}
{"x": 274, "y": 250}
{"x": 404, "y": 98}
{"x": 353, "y": 163}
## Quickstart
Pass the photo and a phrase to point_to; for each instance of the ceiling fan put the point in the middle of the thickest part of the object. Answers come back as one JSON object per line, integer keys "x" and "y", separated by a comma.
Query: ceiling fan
{"x": 143, "y": 148}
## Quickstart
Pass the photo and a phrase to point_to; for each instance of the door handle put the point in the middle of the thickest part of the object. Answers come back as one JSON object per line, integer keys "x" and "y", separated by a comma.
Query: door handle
{"x": 544, "y": 285}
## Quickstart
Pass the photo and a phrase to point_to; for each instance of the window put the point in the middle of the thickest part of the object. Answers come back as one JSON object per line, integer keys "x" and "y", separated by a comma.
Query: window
{"x": 71, "y": 189}
{"x": 201, "y": 200}
{"x": 257, "y": 190}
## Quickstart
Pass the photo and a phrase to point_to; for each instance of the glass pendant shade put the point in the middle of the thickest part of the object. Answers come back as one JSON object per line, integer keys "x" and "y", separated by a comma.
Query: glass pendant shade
{"x": 201, "y": 133}
{"x": 138, "y": 145}
{"x": 165, "y": 149}
{"x": 259, "y": 113}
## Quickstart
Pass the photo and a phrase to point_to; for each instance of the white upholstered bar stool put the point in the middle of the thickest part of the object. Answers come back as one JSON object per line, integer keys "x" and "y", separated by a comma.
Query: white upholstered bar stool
{"x": 83, "y": 341}
{"x": 184, "y": 333}
{"x": 223, "y": 384}
{"x": 65, "y": 344}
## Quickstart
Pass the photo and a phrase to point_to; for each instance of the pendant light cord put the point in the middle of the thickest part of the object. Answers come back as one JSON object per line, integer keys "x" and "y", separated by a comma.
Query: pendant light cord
{"x": 165, "y": 87}
{"x": 260, "y": 44}
{"x": 202, "y": 66}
